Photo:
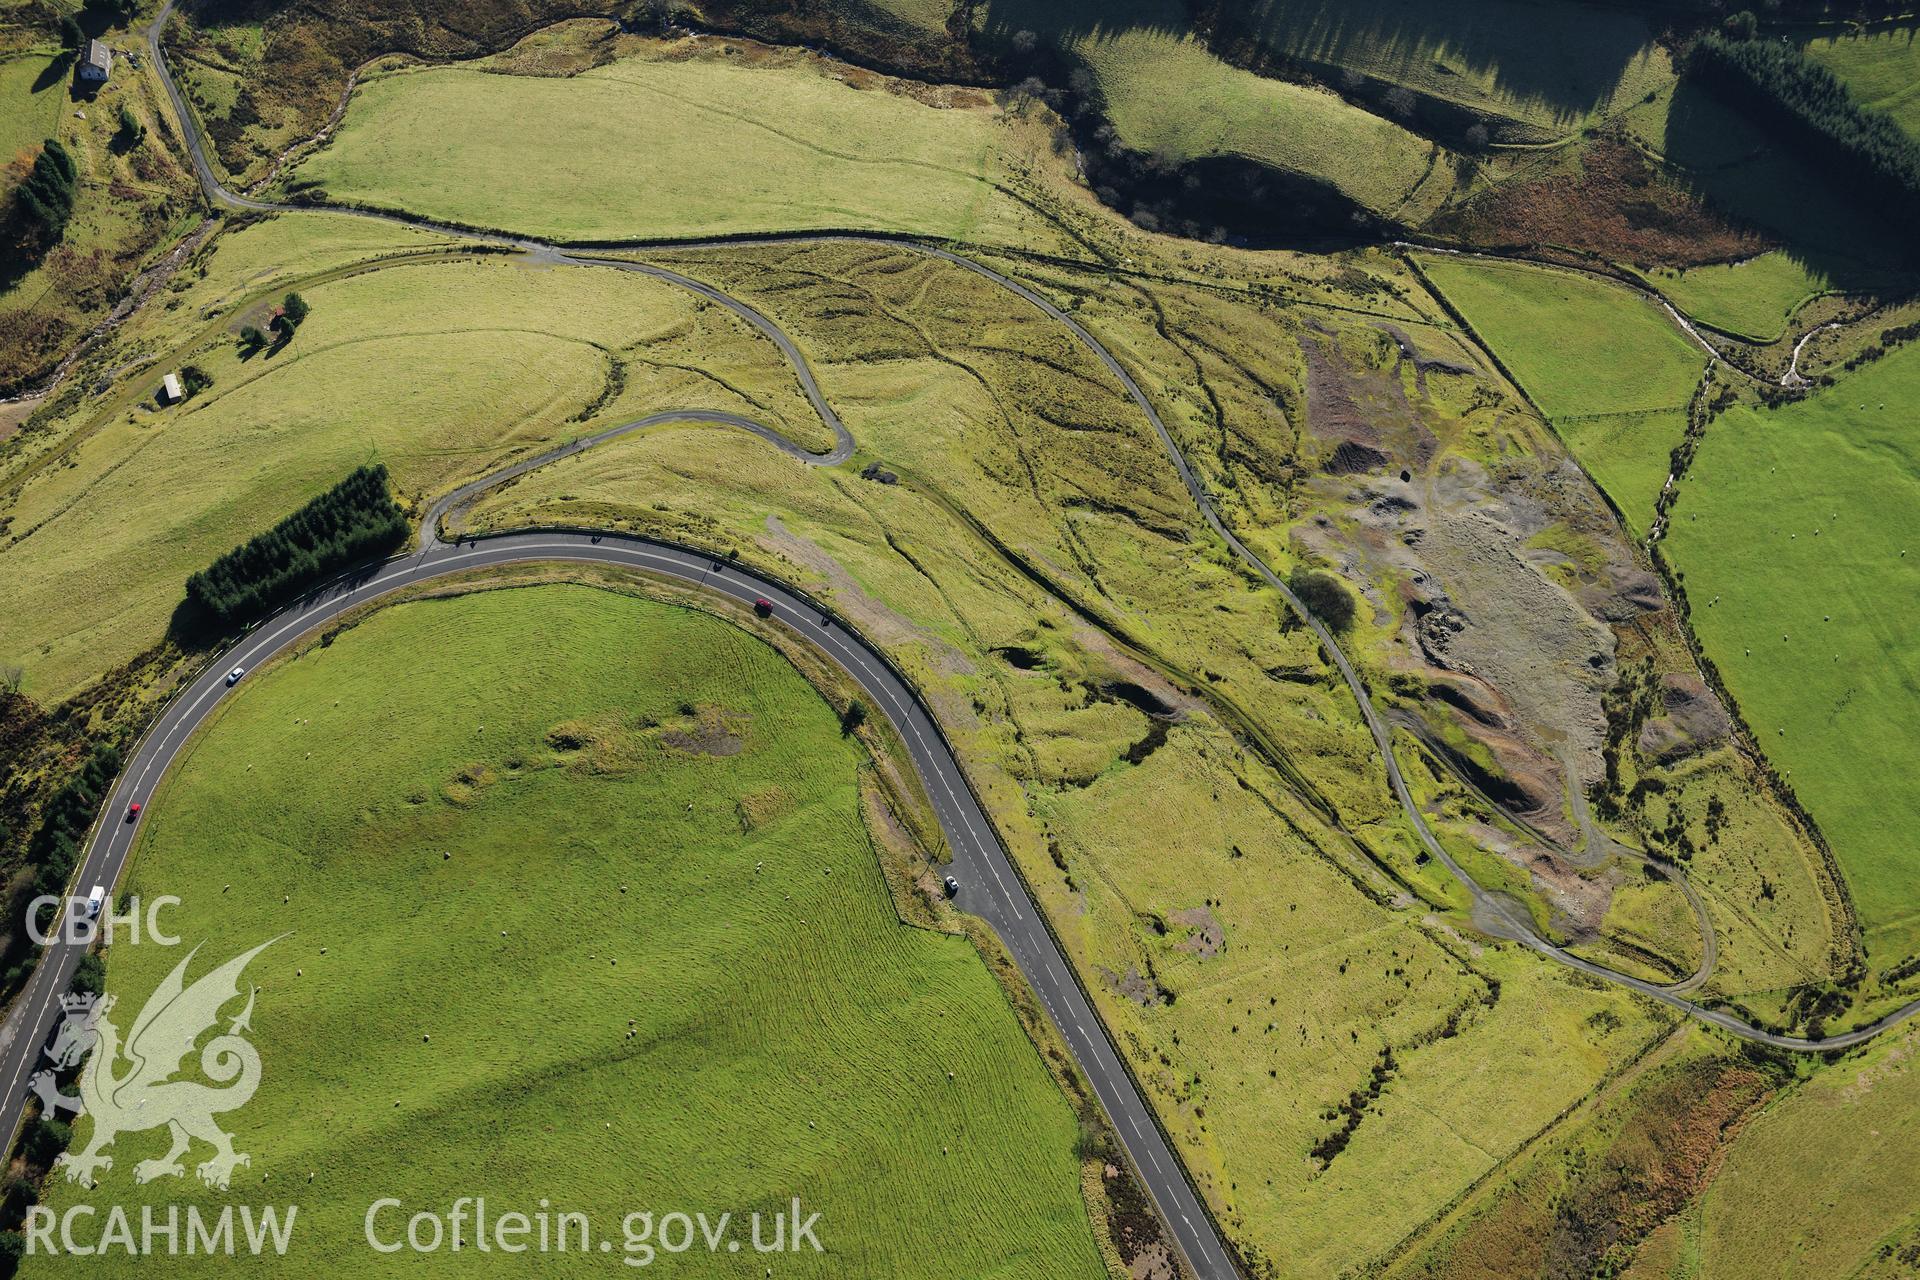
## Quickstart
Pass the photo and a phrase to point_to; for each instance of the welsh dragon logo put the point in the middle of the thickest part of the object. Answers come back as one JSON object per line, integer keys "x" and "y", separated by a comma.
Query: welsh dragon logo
{"x": 145, "y": 1095}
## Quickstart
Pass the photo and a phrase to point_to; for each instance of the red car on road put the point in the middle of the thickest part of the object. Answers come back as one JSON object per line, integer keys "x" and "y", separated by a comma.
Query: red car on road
{"x": 133, "y": 811}
{"x": 763, "y": 606}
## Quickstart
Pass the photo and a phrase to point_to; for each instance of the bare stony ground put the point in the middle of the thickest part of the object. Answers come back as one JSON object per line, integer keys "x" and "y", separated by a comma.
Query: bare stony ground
{"x": 1508, "y": 576}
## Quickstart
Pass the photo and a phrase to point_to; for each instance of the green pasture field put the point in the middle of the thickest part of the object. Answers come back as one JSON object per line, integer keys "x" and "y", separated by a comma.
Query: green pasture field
{"x": 648, "y": 147}
{"x": 441, "y": 371}
{"x": 1629, "y": 455}
{"x": 245, "y": 269}
{"x": 1881, "y": 67}
{"x": 1608, "y": 368}
{"x": 261, "y": 259}
{"x": 1166, "y": 92}
{"x": 1804, "y": 586}
{"x": 33, "y": 99}
{"x": 1752, "y": 299}
{"x": 1579, "y": 346}
{"x": 1548, "y": 67}
{"x": 598, "y": 863}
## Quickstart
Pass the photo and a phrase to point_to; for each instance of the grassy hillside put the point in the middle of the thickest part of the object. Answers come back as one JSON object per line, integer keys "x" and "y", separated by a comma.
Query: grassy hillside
{"x": 1804, "y": 586}
{"x": 132, "y": 199}
{"x": 1167, "y": 94}
{"x": 662, "y": 943}
{"x": 1608, "y": 368}
{"x": 1743, "y": 170}
{"x": 1539, "y": 69}
{"x": 33, "y": 90}
{"x": 438, "y": 370}
{"x": 652, "y": 147}
{"x": 1881, "y": 67}
{"x": 1585, "y": 1199}
{"x": 1230, "y": 937}
{"x": 1820, "y": 1183}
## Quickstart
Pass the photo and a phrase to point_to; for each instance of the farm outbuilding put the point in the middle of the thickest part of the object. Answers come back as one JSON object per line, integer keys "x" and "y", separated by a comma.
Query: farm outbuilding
{"x": 97, "y": 63}
{"x": 170, "y": 389}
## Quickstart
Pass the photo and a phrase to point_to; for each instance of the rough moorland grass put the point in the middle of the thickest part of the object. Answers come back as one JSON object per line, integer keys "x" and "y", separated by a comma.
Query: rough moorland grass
{"x": 1608, "y": 368}
{"x": 439, "y": 371}
{"x": 1304, "y": 953}
{"x": 1166, "y": 92}
{"x": 1881, "y": 68}
{"x": 1819, "y": 1181}
{"x": 1131, "y": 846}
{"x": 1805, "y": 587}
{"x": 1549, "y": 66}
{"x": 644, "y": 147}
{"x": 676, "y": 967}
{"x": 1638, "y": 1148}
{"x": 128, "y": 203}
{"x": 1751, "y": 298}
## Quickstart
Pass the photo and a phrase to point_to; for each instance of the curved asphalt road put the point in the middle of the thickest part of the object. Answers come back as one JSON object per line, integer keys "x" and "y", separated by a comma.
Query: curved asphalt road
{"x": 991, "y": 887}
{"x": 992, "y": 890}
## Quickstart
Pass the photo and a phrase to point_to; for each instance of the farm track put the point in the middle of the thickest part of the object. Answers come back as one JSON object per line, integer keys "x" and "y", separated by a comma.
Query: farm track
{"x": 992, "y": 886}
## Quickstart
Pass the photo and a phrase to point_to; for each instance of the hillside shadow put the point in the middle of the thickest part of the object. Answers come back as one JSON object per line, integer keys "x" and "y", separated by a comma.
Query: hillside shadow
{"x": 1751, "y": 176}
{"x": 1514, "y": 46}
{"x": 1565, "y": 65}
{"x": 1071, "y": 20}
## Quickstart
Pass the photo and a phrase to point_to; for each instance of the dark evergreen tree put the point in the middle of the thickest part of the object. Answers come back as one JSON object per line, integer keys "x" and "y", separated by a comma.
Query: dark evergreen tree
{"x": 44, "y": 202}
{"x": 355, "y": 520}
{"x": 1808, "y": 104}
